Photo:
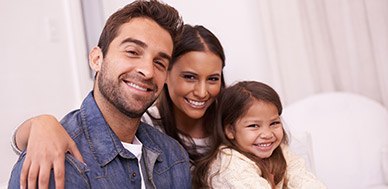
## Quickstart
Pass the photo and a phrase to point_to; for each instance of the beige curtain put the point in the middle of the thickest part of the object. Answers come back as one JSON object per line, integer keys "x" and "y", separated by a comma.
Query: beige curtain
{"x": 316, "y": 46}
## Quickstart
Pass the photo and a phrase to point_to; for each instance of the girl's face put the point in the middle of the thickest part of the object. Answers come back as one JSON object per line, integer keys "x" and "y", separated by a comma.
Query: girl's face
{"x": 193, "y": 83}
{"x": 259, "y": 131}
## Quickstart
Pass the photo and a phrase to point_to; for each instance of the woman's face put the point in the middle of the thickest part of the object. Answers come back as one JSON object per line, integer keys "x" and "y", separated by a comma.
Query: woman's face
{"x": 259, "y": 131}
{"x": 194, "y": 82}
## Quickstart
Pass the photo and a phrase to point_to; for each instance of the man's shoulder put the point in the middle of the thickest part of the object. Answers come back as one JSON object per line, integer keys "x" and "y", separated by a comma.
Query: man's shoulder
{"x": 150, "y": 136}
{"x": 72, "y": 123}
{"x": 157, "y": 134}
{"x": 87, "y": 115}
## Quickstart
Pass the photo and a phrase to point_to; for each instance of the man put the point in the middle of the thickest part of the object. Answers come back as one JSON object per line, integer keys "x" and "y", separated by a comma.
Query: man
{"x": 119, "y": 151}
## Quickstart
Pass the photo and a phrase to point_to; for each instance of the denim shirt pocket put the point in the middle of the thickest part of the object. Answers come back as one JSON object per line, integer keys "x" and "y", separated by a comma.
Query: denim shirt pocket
{"x": 80, "y": 169}
{"x": 166, "y": 166}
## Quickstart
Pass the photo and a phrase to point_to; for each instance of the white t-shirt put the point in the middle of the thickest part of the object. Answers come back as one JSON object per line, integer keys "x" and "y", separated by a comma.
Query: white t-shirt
{"x": 136, "y": 149}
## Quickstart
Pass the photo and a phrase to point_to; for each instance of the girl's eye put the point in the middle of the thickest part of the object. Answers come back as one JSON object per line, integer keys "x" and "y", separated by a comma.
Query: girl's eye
{"x": 253, "y": 126}
{"x": 276, "y": 123}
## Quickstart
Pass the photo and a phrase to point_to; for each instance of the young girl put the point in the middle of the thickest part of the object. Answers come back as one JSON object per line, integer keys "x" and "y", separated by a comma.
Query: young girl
{"x": 250, "y": 144}
{"x": 183, "y": 111}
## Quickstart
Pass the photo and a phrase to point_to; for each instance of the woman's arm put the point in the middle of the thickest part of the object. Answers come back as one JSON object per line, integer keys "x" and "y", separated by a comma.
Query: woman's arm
{"x": 46, "y": 143}
{"x": 20, "y": 136}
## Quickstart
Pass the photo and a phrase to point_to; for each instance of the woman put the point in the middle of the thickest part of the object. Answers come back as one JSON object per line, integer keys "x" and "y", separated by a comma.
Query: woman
{"x": 184, "y": 109}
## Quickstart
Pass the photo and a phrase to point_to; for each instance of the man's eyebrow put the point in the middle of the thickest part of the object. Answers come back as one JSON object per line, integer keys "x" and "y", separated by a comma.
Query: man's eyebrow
{"x": 144, "y": 45}
{"x": 136, "y": 41}
{"x": 164, "y": 55}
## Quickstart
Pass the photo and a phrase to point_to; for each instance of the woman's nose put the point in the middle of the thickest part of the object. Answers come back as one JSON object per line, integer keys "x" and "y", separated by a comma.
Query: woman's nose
{"x": 200, "y": 90}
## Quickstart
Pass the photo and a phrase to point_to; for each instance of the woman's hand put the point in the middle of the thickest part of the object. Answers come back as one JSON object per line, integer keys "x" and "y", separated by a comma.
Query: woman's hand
{"x": 48, "y": 142}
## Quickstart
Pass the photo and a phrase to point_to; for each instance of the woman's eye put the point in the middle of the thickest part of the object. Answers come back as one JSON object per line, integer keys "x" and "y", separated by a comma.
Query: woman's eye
{"x": 214, "y": 78}
{"x": 189, "y": 77}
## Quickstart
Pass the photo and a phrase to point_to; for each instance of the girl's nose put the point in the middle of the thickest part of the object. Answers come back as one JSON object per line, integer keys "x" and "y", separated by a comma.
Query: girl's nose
{"x": 266, "y": 134}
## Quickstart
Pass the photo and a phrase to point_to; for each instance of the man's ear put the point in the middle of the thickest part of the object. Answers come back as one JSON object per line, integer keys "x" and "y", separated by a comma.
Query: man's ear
{"x": 229, "y": 132}
{"x": 95, "y": 59}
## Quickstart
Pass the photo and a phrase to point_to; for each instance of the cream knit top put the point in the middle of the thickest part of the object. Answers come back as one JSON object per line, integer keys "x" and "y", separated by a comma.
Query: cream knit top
{"x": 232, "y": 169}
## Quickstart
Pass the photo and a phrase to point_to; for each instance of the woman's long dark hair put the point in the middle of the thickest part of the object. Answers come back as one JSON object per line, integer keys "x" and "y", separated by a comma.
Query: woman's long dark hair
{"x": 199, "y": 39}
{"x": 234, "y": 102}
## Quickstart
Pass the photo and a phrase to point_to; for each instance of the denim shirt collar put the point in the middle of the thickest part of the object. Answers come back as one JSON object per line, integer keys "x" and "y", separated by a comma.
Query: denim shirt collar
{"x": 103, "y": 142}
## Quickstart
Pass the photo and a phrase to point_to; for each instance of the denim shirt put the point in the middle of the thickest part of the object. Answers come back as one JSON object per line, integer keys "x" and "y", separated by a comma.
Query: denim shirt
{"x": 108, "y": 164}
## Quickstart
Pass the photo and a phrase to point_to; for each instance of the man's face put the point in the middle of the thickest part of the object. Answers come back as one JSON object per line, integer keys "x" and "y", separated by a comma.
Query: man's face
{"x": 134, "y": 68}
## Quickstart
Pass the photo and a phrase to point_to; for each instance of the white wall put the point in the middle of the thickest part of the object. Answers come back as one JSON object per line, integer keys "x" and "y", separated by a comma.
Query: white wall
{"x": 235, "y": 23}
{"x": 43, "y": 65}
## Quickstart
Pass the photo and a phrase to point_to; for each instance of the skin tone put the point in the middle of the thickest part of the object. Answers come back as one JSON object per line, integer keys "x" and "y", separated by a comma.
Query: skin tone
{"x": 193, "y": 84}
{"x": 132, "y": 74}
{"x": 259, "y": 131}
{"x": 129, "y": 79}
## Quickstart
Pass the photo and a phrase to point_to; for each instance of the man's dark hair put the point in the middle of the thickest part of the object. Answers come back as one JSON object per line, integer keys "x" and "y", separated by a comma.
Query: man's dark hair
{"x": 166, "y": 16}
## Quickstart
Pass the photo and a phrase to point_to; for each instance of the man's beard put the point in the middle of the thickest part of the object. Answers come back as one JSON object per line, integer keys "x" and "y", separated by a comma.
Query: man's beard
{"x": 111, "y": 91}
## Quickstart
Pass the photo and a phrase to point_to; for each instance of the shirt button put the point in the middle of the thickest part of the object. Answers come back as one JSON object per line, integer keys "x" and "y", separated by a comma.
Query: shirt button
{"x": 133, "y": 174}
